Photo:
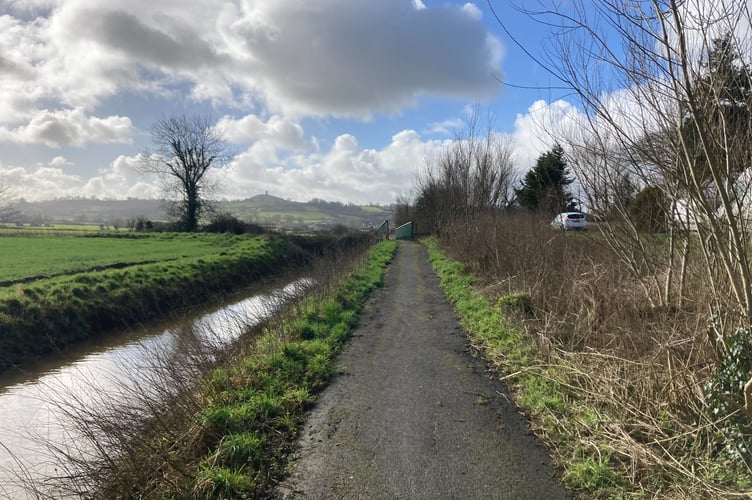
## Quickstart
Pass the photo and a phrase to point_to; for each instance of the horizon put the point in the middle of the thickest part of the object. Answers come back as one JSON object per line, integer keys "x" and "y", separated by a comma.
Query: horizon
{"x": 220, "y": 200}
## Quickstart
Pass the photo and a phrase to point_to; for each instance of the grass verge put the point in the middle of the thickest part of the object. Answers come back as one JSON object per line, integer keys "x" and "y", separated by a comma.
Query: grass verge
{"x": 616, "y": 383}
{"x": 609, "y": 432}
{"x": 541, "y": 388}
{"x": 235, "y": 441}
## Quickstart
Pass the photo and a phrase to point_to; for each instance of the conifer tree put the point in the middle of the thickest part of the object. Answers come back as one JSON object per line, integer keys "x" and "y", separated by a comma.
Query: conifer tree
{"x": 544, "y": 188}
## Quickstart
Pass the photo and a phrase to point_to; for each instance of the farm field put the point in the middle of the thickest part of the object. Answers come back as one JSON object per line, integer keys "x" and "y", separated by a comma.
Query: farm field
{"x": 54, "y": 230}
{"x": 25, "y": 257}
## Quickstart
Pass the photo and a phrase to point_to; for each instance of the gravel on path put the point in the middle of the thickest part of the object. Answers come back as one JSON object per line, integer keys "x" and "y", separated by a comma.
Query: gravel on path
{"x": 413, "y": 415}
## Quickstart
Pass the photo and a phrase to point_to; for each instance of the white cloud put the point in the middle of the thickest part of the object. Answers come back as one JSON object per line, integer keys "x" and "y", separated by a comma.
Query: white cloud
{"x": 66, "y": 64}
{"x": 57, "y": 180}
{"x": 276, "y": 130}
{"x": 541, "y": 127}
{"x": 330, "y": 57}
{"x": 60, "y": 161}
{"x": 39, "y": 183}
{"x": 446, "y": 127}
{"x": 122, "y": 179}
{"x": 70, "y": 128}
{"x": 346, "y": 172}
{"x": 349, "y": 58}
{"x": 473, "y": 11}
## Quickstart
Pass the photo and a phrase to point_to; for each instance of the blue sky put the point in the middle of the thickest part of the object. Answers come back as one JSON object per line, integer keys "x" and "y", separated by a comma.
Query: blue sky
{"x": 334, "y": 99}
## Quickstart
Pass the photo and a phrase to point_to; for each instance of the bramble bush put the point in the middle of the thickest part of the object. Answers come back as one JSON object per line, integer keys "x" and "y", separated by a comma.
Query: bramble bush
{"x": 724, "y": 392}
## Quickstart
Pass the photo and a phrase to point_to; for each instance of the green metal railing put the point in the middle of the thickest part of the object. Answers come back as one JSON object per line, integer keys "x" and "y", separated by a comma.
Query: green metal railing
{"x": 404, "y": 232}
{"x": 382, "y": 232}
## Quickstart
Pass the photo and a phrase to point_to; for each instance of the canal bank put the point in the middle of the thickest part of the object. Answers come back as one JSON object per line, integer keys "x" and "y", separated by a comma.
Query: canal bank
{"x": 50, "y": 314}
{"x": 225, "y": 431}
{"x": 44, "y": 408}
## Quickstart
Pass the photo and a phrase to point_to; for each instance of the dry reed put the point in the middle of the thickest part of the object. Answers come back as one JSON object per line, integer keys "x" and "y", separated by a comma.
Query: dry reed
{"x": 635, "y": 371}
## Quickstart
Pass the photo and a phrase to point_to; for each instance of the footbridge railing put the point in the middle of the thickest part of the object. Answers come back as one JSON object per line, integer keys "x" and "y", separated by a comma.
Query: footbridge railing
{"x": 404, "y": 232}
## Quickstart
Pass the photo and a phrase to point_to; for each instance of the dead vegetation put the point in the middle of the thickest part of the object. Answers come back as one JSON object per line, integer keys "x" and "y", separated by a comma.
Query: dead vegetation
{"x": 633, "y": 373}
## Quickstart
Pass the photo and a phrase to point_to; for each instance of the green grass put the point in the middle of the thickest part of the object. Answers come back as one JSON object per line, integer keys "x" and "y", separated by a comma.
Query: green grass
{"x": 590, "y": 472}
{"x": 23, "y": 257}
{"x": 54, "y": 230}
{"x": 46, "y": 315}
{"x": 376, "y": 210}
{"x": 308, "y": 216}
{"x": 264, "y": 208}
{"x": 542, "y": 390}
{"x": 255, "y": 406}
{"x": 89, "y": 228}
{"x": 270, "y": 207}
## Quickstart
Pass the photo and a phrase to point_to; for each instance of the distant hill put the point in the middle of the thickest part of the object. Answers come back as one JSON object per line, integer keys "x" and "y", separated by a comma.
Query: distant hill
{"x": 262, "y": 209}
{"x": 266, "y": 209}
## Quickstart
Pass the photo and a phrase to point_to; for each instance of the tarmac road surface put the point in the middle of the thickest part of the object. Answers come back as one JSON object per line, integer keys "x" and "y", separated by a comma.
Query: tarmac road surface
{"x": 413, "y": 415}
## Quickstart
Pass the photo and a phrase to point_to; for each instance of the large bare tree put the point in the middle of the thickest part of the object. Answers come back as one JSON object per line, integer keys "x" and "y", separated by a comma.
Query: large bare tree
{"x": 185, "y": 149}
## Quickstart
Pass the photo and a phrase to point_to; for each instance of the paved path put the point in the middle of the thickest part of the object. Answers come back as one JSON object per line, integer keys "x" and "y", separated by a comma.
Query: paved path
{"x": 414, "y": 416}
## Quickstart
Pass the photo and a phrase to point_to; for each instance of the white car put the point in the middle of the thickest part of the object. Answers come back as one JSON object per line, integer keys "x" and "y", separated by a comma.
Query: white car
{"x": 568, "y": 221}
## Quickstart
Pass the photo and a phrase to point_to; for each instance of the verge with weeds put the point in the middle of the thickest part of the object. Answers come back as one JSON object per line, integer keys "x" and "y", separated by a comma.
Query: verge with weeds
{"x": 611, "y": 385}
{"x": 229, "y": 433}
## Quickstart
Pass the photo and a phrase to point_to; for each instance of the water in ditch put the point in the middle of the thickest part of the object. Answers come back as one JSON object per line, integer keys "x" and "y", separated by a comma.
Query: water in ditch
{"x": 36, "y": 404}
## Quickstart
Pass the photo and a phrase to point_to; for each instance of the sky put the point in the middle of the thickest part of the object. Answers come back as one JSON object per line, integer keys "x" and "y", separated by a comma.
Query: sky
{"x": 335, "y": 99}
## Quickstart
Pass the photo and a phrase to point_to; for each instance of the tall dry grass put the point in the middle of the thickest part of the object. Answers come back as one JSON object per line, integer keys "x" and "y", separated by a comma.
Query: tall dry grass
{"x": 635, "y": 370}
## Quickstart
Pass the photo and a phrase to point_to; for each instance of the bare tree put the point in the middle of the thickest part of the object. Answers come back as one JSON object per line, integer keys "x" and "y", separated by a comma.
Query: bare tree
{"x": 665, "y": 89}
{"x": 665, "y": 92}
{"x": 404, "y": 209}
{"x": 185, "y": 149}
{"x": 473, "y": 174}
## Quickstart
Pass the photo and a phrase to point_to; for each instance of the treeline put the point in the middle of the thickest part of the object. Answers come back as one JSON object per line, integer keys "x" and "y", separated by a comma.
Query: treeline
{"x": 473, "y": 175}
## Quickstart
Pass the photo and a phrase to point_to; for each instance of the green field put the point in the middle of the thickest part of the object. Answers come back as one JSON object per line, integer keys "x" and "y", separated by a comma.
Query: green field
{"x": 77, "y": 287}
{"x": 53, "y": 229}
{"x": 55, "y": 291}
{"x": 23, "y": 257}
{"x": 76, "y": 216}
{"x": 270, "y": 209}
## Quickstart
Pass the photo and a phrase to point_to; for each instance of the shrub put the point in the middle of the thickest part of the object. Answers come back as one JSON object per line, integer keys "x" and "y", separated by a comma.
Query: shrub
{"x": 220, "y": 482}
{"x": 227, "y": 223}
{"x": 238, "y": 449}
{"x": 512, "y": 303}
{"x": 648, "y": 210}
{"x": 725, "y": 396}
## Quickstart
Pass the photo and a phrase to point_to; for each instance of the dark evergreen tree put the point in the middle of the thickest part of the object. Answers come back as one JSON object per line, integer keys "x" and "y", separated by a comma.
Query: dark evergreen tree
{"x": 544, "y": 188}
{"x": 722, "y": 100}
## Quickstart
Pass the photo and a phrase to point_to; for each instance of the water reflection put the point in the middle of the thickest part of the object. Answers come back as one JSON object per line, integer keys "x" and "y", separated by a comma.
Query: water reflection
{"x": 33, "y": 411}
